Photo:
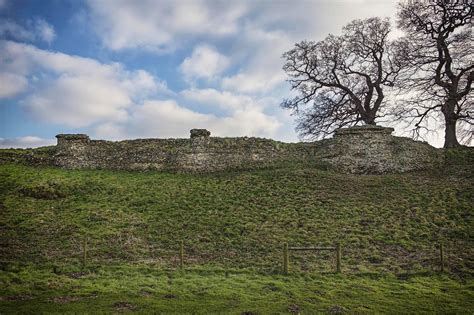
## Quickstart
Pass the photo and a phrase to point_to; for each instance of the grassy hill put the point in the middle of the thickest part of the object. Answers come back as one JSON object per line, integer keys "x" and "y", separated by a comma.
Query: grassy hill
{"x": 233, "y": 226}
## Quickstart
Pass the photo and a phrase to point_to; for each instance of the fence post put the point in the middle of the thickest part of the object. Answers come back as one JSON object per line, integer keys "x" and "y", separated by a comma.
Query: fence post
{"x": 181, "y": 254}
{"x": 338, "y": 257}
{"x": 441, "y": 256}
{"x": 84, "y": 252}
{"x": 285, "y": 258}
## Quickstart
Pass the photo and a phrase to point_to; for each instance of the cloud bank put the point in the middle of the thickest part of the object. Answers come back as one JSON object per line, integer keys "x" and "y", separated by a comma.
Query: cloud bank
{"x": 227, "y": 59}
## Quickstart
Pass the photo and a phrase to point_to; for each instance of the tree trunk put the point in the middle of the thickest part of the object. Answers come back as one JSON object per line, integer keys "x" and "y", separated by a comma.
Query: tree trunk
{"x": 450, "y": 139}
{"x": 369, "y": 118}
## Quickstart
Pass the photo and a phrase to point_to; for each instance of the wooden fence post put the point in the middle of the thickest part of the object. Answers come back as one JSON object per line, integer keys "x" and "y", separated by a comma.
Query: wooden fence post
{"x": 84, "y": 252}
{"x": 441, "y": 256}
{"x": 338, "y": 257}
{"x": 181, "y": 254}
{"x": 285, "y": 258}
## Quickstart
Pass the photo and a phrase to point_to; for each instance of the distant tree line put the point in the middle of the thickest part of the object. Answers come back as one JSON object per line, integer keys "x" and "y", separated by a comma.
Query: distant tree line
{"x": 362, "y": 76}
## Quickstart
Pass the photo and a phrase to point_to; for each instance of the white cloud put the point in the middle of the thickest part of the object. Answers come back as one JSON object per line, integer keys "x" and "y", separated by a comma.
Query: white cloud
{"x": 164, "y": 119}
{"x": 82, "y": 92}
{"x": 79, "y": 101}
{"x": 32, "y": 30}
{"x": 205, "y": 62}
{"x": 25, "y": 142}
{"x": 12, "y": 84}
{"x": 110, "y": 131}
{"x": 261, "y": 71}
{"x": 250, "y": 81}
{"x": 222, "y": 99}
{"x": 161, "y": 25}
{"x": 45, "y": 31}
{"x": 72, "y": 90}
{"x": 142, "y": 84}
{"x": 273, "y": 29}
{"x": 259, "y": 32}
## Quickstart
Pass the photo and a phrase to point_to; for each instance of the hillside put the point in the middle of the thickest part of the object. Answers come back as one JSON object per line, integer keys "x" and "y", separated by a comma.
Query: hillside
{"x": 389, "y": 226}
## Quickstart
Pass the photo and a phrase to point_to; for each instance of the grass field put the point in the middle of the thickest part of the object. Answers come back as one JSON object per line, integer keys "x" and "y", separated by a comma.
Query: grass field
{"x": 233, "y": 225}
{"x": 229, "y": 291}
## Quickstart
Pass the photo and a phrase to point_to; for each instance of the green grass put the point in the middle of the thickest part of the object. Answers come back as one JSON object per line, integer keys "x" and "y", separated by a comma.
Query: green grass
{"x": 233, "y": 225}
{"x": 204, "y": 291}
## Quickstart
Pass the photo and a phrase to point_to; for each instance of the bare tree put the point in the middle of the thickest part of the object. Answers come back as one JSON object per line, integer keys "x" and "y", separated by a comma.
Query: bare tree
{"x": 340, "y": 81}
{"x": 438, "y": 57}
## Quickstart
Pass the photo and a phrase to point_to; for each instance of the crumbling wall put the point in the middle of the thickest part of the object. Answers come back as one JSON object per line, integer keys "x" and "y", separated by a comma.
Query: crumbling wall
{"x": 373, "y": 150}
{"x": 361, "y": 150}
{"x": 200, "y": 153}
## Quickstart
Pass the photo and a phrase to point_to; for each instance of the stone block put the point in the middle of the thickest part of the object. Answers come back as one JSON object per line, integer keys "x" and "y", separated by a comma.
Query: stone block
{"x": 200, "y": 133}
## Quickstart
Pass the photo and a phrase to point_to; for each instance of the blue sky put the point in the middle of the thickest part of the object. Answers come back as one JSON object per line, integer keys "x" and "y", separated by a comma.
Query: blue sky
{"x": 117, "y": 69}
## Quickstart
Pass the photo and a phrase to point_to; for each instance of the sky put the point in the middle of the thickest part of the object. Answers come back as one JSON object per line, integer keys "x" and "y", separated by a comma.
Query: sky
{"x": 117, "y": 69}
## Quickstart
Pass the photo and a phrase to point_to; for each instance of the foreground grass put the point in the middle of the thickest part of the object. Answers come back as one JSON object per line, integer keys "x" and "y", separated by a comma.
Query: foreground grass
{"x": 233, "y": 225}
{"x": 213, "y": 290}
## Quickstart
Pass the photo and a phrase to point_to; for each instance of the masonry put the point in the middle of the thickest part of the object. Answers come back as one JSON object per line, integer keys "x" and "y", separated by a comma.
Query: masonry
{"x": 199, "y": 153}
{"x": 365, "y": 150}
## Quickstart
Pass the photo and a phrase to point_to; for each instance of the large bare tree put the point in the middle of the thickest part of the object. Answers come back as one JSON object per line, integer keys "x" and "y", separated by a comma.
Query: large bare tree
{"x": 340, "y": 80}
{"x": 438, "y": 57}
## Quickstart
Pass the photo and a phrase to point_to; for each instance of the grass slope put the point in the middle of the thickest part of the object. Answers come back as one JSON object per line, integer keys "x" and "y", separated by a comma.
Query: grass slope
{"x": 233, "y": 225}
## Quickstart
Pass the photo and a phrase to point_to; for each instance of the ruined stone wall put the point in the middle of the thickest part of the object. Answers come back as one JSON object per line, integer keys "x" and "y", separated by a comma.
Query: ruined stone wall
{"x": 362, "y": 150}
{"x": 373, "y": 150}
{"x": 197, "y": 154}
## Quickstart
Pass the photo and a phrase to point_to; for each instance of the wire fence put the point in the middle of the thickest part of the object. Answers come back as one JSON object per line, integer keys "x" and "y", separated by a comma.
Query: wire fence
{"x": 282, "y": 257}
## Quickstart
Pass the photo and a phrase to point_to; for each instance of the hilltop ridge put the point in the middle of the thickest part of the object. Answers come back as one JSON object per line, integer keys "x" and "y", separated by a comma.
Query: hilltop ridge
{"x": 359, "y": 150}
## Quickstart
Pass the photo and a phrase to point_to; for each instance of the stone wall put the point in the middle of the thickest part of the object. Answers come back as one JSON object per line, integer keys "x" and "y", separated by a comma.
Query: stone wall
{"x": 373, "y": 150}
{"x": 362, "y": 150}
{"x": 200, "y": 153}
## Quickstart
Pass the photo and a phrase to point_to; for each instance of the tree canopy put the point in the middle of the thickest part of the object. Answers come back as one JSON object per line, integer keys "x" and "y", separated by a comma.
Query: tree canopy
{"x": 340, "y": 80}
{"x": 437, "y": 54}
